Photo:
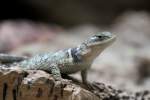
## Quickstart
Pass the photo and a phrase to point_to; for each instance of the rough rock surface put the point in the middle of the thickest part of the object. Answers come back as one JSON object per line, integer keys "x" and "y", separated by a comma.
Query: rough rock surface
{"x": 16, "y": 84}
{"x": 38, "y": 85}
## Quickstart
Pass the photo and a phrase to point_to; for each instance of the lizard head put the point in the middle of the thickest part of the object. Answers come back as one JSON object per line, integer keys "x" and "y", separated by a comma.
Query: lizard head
{"x": 93, "y": 46}
{"x": 102, "y": 39}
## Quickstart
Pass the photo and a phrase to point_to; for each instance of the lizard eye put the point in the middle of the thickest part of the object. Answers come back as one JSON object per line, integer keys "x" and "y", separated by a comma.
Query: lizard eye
{"x": 99, "y": 36}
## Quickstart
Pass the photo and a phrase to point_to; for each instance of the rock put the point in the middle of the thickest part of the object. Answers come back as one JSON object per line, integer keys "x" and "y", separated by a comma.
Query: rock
{"x": 16, "y": 84}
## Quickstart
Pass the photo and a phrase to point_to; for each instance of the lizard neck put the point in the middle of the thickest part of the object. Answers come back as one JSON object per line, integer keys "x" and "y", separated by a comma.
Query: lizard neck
{"x": 89, "y": 53}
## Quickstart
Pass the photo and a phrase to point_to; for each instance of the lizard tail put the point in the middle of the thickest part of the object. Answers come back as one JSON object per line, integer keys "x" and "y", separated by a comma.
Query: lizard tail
{"x": 5, "y": 58}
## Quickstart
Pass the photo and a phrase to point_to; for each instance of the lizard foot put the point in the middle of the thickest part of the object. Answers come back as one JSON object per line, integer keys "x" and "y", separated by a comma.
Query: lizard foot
{"x": 89, "y": 86}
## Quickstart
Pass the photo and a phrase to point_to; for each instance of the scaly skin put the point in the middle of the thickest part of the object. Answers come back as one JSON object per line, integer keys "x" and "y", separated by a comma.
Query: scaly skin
{"x": 67, "y": 61}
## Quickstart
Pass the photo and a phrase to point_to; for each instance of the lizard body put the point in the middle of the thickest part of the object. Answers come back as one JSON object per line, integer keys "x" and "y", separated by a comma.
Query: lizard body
{"x": 67, "y": 61}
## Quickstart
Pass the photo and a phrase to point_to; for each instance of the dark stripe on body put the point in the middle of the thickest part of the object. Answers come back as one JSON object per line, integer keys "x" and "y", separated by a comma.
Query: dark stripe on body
{"x": 76, "y": 57}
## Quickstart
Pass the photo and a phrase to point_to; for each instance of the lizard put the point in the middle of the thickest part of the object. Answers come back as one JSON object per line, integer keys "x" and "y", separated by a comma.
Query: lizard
{"x": 66, "y": 61}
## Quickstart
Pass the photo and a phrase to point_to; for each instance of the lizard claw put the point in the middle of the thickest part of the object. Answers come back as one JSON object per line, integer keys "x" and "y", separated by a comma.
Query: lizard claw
{"x": 89, "y": 86}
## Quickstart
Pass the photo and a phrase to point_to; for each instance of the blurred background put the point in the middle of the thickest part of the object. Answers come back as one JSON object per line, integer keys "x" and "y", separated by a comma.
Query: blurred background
{"x": 28, "y": 27}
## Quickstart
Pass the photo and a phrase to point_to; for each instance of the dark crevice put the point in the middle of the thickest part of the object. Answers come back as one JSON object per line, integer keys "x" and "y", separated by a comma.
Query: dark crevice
{"x": 62, "y": 88}
{"x": 18, "y": 83}
{"x": 39, "y": 92}
{"x": 51, "y": 89}
{"x": 20, "y": 93}
{"x": 55, "y": 97}
{"x": 14, "y": 92}
{"x": 5, "y": 87}
{"x": 25, "y": 74}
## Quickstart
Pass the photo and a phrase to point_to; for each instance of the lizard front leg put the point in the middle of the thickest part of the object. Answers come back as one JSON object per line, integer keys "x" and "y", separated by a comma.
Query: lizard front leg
{"x": 55, "y": 71}
{"x": 84, "y": 78}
